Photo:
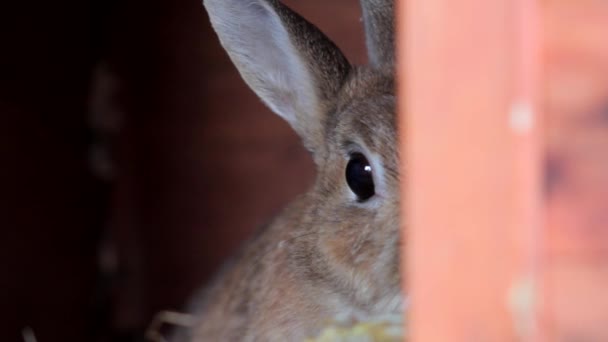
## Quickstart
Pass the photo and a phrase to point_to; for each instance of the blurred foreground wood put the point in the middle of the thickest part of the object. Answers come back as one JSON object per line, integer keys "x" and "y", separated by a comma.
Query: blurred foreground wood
{"x": 506, "y": 158}
{"x": 574, "y": 277}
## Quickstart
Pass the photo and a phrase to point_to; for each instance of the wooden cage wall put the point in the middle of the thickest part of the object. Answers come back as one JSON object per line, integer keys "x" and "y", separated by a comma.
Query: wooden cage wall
{"x": 504, "y": 134}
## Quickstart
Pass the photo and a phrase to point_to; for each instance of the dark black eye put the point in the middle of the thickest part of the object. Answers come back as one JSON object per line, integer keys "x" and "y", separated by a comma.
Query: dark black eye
{"x": 359, "y": 176}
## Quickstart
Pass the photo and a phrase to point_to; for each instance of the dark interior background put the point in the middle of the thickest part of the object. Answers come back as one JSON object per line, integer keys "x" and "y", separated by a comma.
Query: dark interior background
{"x": 133, "y": 160}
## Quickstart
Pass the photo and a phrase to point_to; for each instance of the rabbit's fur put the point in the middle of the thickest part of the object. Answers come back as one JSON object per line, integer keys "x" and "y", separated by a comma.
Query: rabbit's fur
{"x": 328, "y": 254}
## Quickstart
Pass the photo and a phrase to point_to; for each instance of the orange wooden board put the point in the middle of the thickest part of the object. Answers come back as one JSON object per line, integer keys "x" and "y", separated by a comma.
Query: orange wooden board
{"x": 575, "y": 97}
{"x": 504, "y": 127}
{"x": 472, "y": 167}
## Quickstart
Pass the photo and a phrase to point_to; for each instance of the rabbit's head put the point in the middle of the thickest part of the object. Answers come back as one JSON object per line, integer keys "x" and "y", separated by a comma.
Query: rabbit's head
{"x": 345, "y": 116}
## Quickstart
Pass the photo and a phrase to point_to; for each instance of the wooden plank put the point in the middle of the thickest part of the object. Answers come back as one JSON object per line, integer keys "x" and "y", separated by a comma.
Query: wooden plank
{"x": 575, "y": 97}
{"x": 472, "y": 168}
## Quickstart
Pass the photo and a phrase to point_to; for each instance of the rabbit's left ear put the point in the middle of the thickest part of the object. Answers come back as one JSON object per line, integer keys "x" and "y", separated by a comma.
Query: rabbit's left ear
{"x": 378, "y": 17}
{"x": 287, "y": 61}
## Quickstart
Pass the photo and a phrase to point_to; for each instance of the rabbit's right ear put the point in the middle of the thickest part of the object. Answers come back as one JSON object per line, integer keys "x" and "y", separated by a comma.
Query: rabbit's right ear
{"x": 287, "y": 61}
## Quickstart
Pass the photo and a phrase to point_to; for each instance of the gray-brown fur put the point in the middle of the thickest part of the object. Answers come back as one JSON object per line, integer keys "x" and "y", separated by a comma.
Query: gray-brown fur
{"x": 327, "y": 254}
{"x": 379, "y": 31}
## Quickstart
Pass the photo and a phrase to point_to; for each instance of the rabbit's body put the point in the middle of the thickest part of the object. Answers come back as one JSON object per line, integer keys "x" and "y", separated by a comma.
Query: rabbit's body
{"x": 334, "y": 251}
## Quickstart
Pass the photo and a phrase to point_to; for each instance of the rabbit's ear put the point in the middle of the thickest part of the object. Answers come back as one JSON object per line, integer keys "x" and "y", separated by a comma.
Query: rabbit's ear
{"x": 378, "y": 18}
{"x": 288, "y": 62}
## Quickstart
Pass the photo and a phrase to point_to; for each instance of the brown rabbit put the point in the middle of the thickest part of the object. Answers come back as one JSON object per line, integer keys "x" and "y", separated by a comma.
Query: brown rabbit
{"x": 335, "y": 250}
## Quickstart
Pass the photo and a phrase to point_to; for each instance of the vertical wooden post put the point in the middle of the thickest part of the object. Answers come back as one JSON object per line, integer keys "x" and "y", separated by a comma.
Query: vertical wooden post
{"x": 506, "y": 229}
{"x": 575, "y": 97}
{"x": 472, "y": 167}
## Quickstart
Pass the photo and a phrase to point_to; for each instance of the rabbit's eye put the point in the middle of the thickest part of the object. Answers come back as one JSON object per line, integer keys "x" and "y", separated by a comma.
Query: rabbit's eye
{"x": 359, "y": 176}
